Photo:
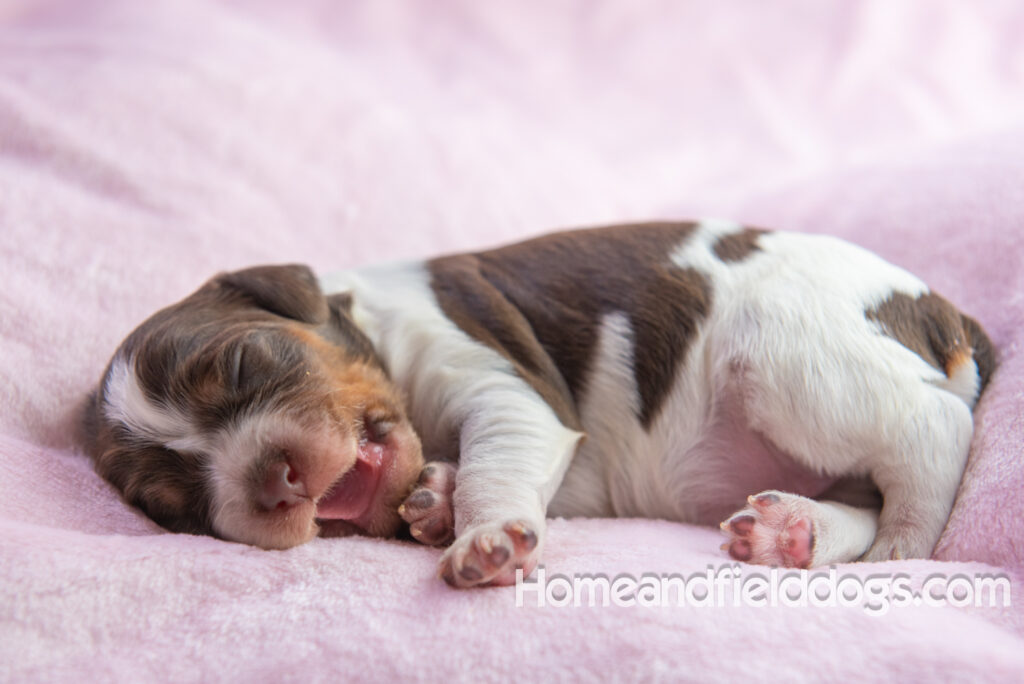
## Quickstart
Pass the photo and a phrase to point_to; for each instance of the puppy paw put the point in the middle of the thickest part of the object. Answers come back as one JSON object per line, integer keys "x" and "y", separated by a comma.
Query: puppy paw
{"x": 896, "y": 542}
{"x": 490, "y": 554}
{"x": 774, "y": 529}
{"x": 428, "y": 508}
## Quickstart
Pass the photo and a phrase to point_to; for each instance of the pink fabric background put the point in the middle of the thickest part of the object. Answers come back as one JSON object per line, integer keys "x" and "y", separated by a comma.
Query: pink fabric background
{"x": 145, "y": 146}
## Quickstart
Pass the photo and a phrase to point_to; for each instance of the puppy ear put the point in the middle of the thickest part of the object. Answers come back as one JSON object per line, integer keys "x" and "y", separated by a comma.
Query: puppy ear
{"x": 343, "y": 331}
{"x": 342, "y": 301}
{"x": 291, "y": 291}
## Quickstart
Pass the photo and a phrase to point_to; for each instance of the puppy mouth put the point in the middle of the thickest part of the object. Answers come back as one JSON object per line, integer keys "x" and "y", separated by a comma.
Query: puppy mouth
{"x": 353, "y": 495}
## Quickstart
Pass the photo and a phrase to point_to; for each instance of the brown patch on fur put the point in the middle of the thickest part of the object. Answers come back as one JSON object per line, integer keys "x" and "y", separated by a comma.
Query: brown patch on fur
{"x": 957, "y": 359}
{"x": 738, "y": 246}
{"x": 474, "y": 304}
{"x": 933, "y": 329}
{"x": 169, "y": 487}
{"x": 984, "y": 352}
{"x": 540, "y": 304}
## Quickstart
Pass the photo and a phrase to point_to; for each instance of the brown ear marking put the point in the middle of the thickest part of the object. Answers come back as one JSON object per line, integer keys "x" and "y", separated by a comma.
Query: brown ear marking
{"x": 293, "y": 291}
{"x": 342, "y": 331}
{"x": 340, "y": 301}
{"x": 541, "y": 304}
{"x": 933, "y": 329}
{"x": 290, "y": 290}
{"x": 166, "y": 485}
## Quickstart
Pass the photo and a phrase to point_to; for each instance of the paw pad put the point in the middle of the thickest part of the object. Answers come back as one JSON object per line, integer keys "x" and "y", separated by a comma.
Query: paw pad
{"x": 428, "y": 508}
{"x": 490, "y": 555}
{"x": 774, "y": 529}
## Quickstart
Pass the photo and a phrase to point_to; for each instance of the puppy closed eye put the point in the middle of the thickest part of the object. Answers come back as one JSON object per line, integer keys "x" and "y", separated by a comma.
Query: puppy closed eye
{"x": 236, "y": 368}
{"x": 249, "y": 363}
{"x": 377, "y": 425}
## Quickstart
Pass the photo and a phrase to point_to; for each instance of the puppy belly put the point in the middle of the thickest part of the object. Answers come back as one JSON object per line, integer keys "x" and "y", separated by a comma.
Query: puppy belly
{"x": 701, "y": 475}
{"x": 732, "y": 462}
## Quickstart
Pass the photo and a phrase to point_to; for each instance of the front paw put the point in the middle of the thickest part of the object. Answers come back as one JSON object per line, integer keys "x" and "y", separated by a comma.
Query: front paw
{"x": 490, "y": 554}
{"x": 428, "y": 508}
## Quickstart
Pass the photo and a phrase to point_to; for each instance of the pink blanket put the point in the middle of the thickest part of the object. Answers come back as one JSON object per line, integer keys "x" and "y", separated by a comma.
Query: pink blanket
{"x": 145, "y": 146}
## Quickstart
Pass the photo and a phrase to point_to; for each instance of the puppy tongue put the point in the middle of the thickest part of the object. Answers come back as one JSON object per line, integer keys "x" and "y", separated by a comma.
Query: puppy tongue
{"x": 351, "y": 496}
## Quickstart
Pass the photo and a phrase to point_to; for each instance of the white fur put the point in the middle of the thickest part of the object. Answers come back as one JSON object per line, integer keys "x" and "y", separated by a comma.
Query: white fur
{"x": 609, "y": 409}
{"x": 964, "y": 382}
{"x": 513, "y": 451}
{"x": 126, "y": 403}
{"x": 786, "y": 365}
{"x": 232, "y": 451}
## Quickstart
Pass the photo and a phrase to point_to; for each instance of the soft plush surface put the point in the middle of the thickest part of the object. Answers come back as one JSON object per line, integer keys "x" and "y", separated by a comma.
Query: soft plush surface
{"x": 145, "y": 146}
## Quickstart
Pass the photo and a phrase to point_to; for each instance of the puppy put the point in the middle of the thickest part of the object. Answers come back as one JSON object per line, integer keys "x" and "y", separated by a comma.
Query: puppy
{"x": 812, "y": 395}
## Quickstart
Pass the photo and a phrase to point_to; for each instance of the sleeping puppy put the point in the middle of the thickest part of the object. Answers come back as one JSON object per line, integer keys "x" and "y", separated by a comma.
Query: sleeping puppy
{"x": 815, "y": 397}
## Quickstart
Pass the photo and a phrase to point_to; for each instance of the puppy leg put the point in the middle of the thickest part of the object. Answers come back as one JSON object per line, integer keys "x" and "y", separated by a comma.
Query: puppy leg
{"x": 916, "y": 463}
{"x": 920, "y": 479}
{"x": 793, "y": 531}
{"x": 428, "y": 508}
{"x": 513, "y": 457}
{"x": 885, "y": 416}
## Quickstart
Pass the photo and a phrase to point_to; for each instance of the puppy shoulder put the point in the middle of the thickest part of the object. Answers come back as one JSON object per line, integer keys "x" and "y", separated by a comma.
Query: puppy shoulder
{"x": 483, "y": 312}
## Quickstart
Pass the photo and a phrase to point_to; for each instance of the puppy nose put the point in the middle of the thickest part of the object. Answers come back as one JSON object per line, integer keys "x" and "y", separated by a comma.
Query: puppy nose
{"x": 282, "y": 487}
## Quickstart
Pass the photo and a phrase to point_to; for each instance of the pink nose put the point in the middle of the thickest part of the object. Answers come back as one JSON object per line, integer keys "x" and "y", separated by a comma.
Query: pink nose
{"x": 282, "y": 487}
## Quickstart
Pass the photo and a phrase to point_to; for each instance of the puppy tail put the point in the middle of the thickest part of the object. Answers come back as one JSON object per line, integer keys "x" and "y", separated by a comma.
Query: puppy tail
{"x": 983, "y": 350}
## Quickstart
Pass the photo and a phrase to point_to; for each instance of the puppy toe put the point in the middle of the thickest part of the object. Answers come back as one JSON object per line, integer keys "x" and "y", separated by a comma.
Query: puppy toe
{"x": 438, "y": 476}
{"x": 428, "y": 508}
{"x": 418, "y": 503}
{"x": 774, "y": 529}
{"x": 490, "y": 555}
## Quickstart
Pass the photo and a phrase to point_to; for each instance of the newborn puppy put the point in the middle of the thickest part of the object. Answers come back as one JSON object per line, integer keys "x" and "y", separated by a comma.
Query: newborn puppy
{"x": 816, "y": 397}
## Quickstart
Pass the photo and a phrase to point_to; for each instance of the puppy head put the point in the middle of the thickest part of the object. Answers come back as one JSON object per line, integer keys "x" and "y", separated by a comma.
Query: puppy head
{"x": 255, "y": 410}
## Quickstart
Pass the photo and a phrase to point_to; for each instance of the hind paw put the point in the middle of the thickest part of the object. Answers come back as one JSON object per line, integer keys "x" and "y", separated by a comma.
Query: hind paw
{"x": 774, "y": 529}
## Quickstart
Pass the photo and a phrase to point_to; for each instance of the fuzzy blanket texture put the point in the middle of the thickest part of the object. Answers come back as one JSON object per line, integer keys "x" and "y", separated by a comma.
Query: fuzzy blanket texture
{"x": 145, "y": 146}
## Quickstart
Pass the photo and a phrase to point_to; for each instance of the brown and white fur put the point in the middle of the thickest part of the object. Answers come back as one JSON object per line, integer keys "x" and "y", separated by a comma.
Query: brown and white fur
{"x": 692, "y": 372}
